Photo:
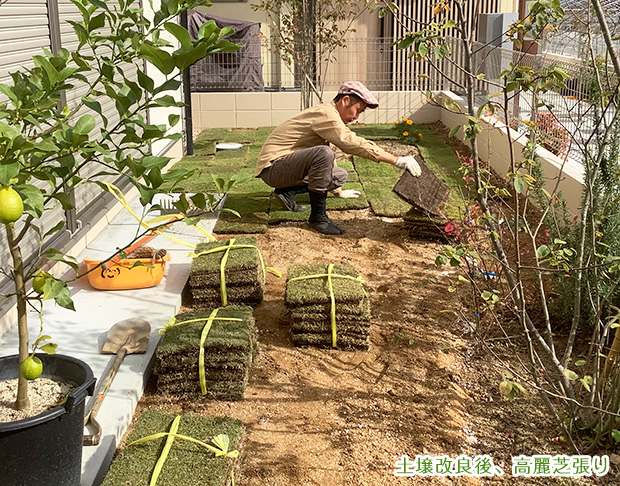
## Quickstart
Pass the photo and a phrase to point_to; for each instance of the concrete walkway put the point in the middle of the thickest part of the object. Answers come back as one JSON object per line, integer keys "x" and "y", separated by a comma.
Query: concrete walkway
{"x": 81, "y": 333}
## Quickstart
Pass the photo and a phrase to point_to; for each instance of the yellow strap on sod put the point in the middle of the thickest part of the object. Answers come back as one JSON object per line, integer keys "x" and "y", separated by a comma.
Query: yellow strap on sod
{"x": 120, "y": 197}
{"x": 164, "y": 453}
{"x": 203, "y": 337}
{"x": 221, "y": 444}
{"x": 226, "y": 248}
{"x": 329, "y": 275}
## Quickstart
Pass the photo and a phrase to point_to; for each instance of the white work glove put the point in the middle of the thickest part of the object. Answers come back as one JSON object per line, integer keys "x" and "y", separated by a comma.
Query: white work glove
{"x": 348, "y": 194}
{"x": 409, "y": 163}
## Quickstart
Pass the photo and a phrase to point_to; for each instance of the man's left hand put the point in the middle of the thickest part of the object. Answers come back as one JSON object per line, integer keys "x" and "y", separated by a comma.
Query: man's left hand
{"x": 348, "y": 194}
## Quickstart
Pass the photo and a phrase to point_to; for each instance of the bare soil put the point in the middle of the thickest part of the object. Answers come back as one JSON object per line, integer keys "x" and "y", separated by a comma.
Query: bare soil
{"x": 327, "y": 417}
{"x": 426, "y": 386}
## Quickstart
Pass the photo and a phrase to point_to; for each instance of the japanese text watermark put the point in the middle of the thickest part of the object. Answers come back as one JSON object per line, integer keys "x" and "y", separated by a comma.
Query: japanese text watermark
{"x": 483, "y": 465}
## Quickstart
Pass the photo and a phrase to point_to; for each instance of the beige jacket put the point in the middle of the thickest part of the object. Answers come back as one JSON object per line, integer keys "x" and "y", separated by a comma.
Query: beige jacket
{"x": 318, "y": 125}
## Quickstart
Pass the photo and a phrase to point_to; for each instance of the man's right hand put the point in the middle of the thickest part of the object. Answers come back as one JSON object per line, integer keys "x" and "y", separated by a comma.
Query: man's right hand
{"x": 409, "y": 163}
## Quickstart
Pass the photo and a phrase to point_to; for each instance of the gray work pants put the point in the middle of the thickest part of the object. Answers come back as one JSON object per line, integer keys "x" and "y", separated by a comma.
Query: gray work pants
{"x": 313, "y": 166}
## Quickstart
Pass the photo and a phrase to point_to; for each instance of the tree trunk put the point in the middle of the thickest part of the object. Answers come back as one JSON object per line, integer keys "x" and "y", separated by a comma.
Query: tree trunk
{"x": 22, "y": 401}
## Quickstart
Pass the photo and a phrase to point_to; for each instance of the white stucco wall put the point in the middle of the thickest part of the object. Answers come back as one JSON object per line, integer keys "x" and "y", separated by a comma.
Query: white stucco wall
{"x": 494, "y": 148}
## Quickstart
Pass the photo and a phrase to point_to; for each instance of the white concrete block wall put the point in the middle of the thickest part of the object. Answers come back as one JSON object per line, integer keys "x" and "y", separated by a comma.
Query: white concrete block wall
{"x": 493, "y": 148}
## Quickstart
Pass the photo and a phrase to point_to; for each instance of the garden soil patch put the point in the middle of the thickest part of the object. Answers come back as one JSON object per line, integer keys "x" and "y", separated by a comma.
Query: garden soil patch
{"x": 329, "y": 417}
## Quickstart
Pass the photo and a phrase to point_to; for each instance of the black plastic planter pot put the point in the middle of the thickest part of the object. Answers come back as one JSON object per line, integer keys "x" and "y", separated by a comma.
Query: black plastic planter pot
{"x": 47, "y": 449}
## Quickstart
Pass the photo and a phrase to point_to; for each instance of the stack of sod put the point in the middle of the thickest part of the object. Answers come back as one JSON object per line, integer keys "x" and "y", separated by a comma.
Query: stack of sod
{"x": 425, "y": 226}
{"x": 187, "y": 463}
{"x": 243, "y": 281}
{"x": 229, "y": 352}
{"x": 309, "y": 304}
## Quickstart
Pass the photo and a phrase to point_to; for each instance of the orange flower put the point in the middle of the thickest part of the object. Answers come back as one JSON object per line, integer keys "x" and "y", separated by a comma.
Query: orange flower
{"x": 420, "y": 135}
{"x": 405, "y": 134}
{"x": 409, "y": 122}
{"x": 395, "y": 123}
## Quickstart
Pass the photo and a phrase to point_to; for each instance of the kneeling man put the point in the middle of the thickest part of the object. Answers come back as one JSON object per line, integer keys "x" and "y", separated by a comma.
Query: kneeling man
{"x": 297, "y": 158}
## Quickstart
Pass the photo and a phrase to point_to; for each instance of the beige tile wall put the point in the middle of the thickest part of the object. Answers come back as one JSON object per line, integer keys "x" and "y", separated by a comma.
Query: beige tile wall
{"x": 249, "y": 110}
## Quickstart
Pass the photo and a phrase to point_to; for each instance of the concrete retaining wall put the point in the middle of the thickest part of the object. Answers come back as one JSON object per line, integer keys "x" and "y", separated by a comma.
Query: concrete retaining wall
{"x": 494, "y": 148}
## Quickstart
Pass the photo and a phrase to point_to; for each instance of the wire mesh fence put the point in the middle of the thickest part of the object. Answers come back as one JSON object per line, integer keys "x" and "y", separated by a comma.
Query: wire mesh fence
{"x": 562, "y": 120}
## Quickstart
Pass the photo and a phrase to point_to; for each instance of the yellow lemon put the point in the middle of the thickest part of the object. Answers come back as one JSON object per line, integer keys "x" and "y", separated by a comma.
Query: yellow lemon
{"x": 38, "y": 282}
{"x": 11, "y": 205}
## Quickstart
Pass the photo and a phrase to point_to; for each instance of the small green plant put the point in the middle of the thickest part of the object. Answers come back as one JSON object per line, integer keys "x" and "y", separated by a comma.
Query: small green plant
{"x": 509, "y": 387}
{"x": 407, "y": 132}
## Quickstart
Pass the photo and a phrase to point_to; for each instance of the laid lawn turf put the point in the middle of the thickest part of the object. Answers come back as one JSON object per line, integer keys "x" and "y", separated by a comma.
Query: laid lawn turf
{"x": 382, "y": 199}
{"x": 348, "y": 166}
{"x": 204, "y": 147}
{"x": 376, "y": 131}
{"x": 252, "y": 198}
{"x": 187, "y": 463}
{"x": 444, "y": 163}
{"x": 241, "y": 136}
{"x": 253, "y": 211}
{"x": 369, "y": 169}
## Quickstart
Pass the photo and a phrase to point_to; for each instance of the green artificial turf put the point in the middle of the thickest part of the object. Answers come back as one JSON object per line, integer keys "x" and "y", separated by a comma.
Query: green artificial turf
{"x": 316, "y": 290}
{"x": 187, "y": 463}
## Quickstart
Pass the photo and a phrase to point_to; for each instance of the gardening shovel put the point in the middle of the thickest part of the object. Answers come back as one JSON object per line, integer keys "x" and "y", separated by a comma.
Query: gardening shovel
{"x": 129, "y": 336}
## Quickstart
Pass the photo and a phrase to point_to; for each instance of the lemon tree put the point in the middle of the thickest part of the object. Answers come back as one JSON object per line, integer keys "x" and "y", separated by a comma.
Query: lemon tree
{"x": 46, "y": 145}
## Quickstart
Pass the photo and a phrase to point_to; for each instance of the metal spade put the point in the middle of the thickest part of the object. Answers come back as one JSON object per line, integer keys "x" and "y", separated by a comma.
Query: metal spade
{"x": 129, "y": 336}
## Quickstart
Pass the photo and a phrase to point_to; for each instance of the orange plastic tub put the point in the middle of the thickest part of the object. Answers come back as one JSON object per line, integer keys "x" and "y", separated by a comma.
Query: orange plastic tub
{"x": 122, "y": 275}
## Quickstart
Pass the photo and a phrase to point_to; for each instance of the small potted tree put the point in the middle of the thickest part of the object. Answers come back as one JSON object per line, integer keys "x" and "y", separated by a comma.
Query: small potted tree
{"x": 46, "y": 148}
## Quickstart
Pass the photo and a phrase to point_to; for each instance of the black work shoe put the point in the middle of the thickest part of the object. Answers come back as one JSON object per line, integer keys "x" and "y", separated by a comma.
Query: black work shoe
{"x": 289, "y": 200}
{"x": 326, "y": 228}
{"x": 318, "y": 219}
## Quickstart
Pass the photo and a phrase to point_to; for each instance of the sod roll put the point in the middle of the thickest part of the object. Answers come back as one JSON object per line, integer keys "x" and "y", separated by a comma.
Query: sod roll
{"x": 325, "y": 341}
{"x": 212, "y": 297}
{"x": 316, "y": 290}
{"x": 229, "y": 351}
{"x": 310, "y": 307}
{"x": 243, "y": 273}
{"x": 187, "y": 463}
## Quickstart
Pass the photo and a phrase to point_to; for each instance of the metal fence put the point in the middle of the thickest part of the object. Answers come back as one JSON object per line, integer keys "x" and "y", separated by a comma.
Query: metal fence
{"x": 564, "y": 119}
{"x": 382, "y": 67}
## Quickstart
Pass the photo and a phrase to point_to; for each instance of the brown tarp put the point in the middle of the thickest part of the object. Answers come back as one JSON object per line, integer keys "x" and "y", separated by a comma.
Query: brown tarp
{"x": 228, "y": 71}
